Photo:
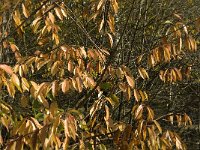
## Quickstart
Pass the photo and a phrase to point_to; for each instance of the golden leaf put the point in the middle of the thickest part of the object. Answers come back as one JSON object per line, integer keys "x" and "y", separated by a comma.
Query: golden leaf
{"x": 36, "y": 123}
{"x": 15, "y": 81}
{"x": 59, "y": 13}
{"x": 5, "y": 122}
{"x": 25, "y": 11}
{"x": 64, "y": 12}
{"x": 111, "y": 23}
{"x": 101, "y": 25}
{"x": 65, "y": 85}
{"x": 43, "y": 134}
{"x": 42, "y": 99}
{"x": 143, "y": 97}
{"x": 100, "y": 4}
{"x": 110, "y": 39}
{"x": 130, "y": 81}
{"x": 42, "y": 63}
{"x": 10, "y": 88}
{"x": 143, "y": 73}
{"x": 90, "y": 82}
{"x": 51, "y": 17}
{"x": 137, "y": 95}
{"x": 158, "y": 126}
{"x": 25, "y": 84}
{"x": 115, "y": 6}
{"x": 138, "y": 112}
{"x": 55, "y": 88}
{"x": 79, "y": 84}
{"x": 150, "y": 114}
{"x": 70, "y": 126}
{"x": 55, "y": 68}
{"x": 70, "y": 66}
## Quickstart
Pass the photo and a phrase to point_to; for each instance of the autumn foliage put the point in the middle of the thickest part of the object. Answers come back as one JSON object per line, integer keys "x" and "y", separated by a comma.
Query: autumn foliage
{"x": 57, "y": 93}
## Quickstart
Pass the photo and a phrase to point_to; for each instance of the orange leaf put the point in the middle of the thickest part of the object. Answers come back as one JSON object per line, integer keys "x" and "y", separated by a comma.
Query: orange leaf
{"x": 6, "y": 68}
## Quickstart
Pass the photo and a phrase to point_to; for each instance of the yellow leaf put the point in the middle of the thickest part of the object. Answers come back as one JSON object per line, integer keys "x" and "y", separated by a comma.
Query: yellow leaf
{"x": 64, "y": 12}
{"x": 36, "y": 123}
{"x": 158, "y": 126}
{"x": 150, "y": 114}
{"x": 51, "y": 17}
{"x": 43, "y": 101}
{"x": 100, "y": 4}
{"x": 110, "y": 39}
{"x": 5, "y": 121}
{"x": 55, "y": 88}
{"x": 138, "y": 112}
{"x": 137, "y": 95}
{"x": 25, "y": 11}
{"x": 115, "y": 6}
{"x": 43, "y": 134}
{"x": 42, "y": 63}
{"x": 81, "y": 145}
{"x": 15, "y": 81}
{"x": 111, "y": 24}
{"x": 128, "y": 93}
{"x": 55, "y": 68}
{"x": 143, "y": 97}
{"x": 101, "y": 25}
{"x": 130, "y": 81}
{"x": 143, "y": 73}
{"x": 65, "y": 85}
{"x": 79, "y": 84}
{"x": 10, "y": 88}
{"x": 40, "y": 88}
{"x": 70, "y": 66}
{"x": 70, "y": 126}
{"x": 167, "y": 51}
{"x": 59, "y": 13}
